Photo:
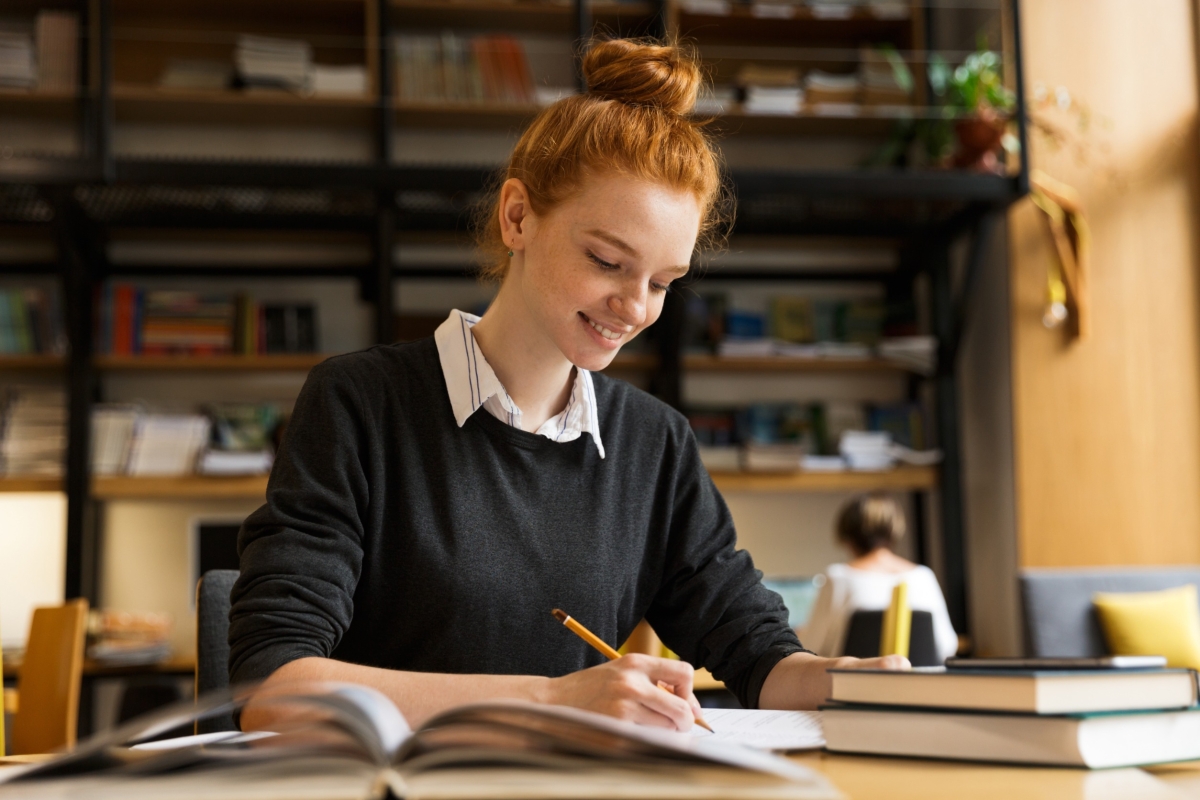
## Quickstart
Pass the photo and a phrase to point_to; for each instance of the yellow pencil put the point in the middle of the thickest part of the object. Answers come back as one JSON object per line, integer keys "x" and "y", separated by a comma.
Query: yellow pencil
{"x": 612, "y": 655}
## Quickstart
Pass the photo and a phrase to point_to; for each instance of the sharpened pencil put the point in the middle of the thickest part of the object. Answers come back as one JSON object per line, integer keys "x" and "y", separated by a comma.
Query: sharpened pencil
{"x": 605, "y": 650}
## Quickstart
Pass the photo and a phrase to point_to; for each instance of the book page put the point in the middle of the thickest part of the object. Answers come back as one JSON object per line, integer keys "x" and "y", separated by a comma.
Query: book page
{"x": 766, "y": 730}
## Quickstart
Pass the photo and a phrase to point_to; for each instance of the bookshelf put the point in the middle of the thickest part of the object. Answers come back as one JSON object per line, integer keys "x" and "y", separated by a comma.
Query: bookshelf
{"x": 31, "y": 484}
{"x": 898, "y": 479}
{"x": 704, "y": 363}
{"x": 371, "y": 187}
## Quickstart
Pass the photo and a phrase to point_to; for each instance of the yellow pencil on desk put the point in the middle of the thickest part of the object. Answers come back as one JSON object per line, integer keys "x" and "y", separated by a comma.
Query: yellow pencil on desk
{"x": 606, "y": 650}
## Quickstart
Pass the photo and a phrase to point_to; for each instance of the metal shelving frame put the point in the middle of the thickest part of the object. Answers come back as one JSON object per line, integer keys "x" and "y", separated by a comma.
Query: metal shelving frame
{"x": 964, "y": 205}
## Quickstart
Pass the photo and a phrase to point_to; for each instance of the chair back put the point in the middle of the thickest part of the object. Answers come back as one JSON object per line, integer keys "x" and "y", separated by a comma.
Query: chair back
{"x": 863, "y": 636}
{"x": 1057, "y": 603}
{"x": 48, "y": 685}
{"x": 212, "y": 641}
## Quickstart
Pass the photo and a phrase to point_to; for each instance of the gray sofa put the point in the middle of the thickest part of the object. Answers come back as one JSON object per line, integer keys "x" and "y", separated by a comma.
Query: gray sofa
{"x": 1059, "y": 620}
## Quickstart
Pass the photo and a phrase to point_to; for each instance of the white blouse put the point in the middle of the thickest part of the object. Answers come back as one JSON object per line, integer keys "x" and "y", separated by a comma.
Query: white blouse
{"x": 847, "y": 590}
{"x": 472, "y": 383}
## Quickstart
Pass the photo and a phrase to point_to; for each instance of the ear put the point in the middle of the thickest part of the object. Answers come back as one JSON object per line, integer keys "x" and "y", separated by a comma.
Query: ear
{"x": 514, "y": 209}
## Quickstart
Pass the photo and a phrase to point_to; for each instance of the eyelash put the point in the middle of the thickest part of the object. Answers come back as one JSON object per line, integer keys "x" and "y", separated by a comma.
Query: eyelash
{"x": 658, "y": 287}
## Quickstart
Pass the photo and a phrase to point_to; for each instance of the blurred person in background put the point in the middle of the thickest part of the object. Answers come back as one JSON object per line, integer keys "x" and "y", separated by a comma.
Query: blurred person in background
{"x": 870, "y": 527}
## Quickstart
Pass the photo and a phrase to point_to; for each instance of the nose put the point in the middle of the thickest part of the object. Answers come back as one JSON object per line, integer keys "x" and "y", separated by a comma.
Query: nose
{"x": 630, "y": 303}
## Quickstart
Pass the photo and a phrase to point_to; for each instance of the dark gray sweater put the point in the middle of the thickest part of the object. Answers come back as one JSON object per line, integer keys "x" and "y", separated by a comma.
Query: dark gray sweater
{"x": 393, "y": 538}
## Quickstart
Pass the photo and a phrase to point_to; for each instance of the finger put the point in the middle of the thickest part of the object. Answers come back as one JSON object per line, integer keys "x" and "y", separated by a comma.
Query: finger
{"x": 677, "y": 710}
{"x": 690, "y": 697}
{"x": 676, "y": 674}
{"x": 884, "y": 662}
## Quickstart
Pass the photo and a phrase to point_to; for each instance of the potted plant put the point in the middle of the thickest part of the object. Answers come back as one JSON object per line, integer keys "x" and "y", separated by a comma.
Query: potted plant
{"x": 980, "y": 106}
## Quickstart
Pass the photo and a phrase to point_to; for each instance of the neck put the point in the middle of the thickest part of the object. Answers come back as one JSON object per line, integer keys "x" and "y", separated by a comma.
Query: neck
{"x": 881, "y": 559}
{"x": 535, "y": 373}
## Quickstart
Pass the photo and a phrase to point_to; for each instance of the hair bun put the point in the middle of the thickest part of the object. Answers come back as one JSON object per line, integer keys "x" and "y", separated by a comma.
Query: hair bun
{"x": 639, "y": 73}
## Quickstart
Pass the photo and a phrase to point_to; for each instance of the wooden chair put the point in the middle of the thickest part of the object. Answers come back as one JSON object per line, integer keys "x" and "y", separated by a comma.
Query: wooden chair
{"x": 49, "y": 681}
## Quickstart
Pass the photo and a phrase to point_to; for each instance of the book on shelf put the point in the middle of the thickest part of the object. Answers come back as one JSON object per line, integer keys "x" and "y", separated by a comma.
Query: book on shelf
{"x": 486, "y": 68}
{"x": 57, "y": 34}
{"x": 351, "y": 742}
{"x": 33, "y": 423}
{"x": 167, "y": 444}
{"x": 18, "y": 59}
{"x": 31, "y": 322}
{"x": 264, "y": 62}
{"x": 113, "y": 427}
{"x": 135, "y": 321}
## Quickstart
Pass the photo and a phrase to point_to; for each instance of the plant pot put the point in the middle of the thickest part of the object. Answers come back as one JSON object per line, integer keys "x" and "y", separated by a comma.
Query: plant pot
{"x": 978, "y": 140}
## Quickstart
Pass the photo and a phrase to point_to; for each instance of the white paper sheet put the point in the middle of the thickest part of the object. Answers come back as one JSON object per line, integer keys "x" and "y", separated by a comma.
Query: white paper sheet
{"x": 765, "y": 730}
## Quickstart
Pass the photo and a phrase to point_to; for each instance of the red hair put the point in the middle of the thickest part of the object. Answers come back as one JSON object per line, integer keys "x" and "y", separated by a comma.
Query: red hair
{"x": 634, "y": 119}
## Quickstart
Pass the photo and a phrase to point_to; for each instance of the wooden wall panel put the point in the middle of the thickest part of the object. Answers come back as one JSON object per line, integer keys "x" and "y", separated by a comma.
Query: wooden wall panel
{"x": 1107, "y": 431}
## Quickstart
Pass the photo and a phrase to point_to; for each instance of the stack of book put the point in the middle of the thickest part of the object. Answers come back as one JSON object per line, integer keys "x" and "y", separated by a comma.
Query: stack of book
{"x": 57, "y": 34}
{"x": 1069, "y": 717}
{"x": 263, "y": 62}
{"x": 112, "y": 434}
{"x": 133, "y": 321}
{"x": 831, "y": 92}
{"x": 242, "y": 439}
{"x": 885, "y": 77}
{"x": 490, "y": 68}
{"x": 770, "y": 89}
{"x": 125, "y": 638}
{"x": 167, "y": 444}
{"x": 819, "y": 436}
{"x": 31, "y": 322}
{"x": 18, "y": 66}
{"x": 33, "y": 429}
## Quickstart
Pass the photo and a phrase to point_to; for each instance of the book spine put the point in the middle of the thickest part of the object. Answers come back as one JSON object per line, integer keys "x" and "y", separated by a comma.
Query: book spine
{"x": 7, "y": 339}
{"x": 23, "y": 341}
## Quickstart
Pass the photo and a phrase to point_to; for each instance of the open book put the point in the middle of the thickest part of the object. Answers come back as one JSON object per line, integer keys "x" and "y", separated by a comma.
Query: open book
{"x": 353, "y": 744}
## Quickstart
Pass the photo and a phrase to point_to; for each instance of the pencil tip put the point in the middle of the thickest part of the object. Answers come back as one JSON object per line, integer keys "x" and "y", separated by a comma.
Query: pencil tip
{"x": 560, "y": 615}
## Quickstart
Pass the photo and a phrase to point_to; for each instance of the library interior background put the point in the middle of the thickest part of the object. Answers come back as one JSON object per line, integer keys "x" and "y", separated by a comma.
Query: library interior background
{"x": 962, "y": 273}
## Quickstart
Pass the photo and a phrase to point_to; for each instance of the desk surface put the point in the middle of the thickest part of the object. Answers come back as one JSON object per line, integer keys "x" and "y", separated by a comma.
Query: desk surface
{"x": 870, "y": 778}
{"x": 172, "y": 666}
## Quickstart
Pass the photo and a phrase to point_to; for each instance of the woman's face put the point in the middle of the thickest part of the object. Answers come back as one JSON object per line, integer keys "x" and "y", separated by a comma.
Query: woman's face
{"x": 595, "y": 270}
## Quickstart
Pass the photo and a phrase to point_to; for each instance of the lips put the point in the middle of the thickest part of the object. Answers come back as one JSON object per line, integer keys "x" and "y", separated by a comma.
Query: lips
{"x": 607, "y": 333}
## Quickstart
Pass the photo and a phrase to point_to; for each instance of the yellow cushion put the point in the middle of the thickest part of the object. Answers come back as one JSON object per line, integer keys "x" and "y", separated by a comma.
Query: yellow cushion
{"x": 1165, "y": 623}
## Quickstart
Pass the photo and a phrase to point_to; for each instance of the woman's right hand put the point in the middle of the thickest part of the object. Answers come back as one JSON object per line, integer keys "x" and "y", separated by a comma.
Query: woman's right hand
{"x": 628, "y": 689}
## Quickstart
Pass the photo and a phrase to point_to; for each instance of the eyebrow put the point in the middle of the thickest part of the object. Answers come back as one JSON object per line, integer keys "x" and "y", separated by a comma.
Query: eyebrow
{"x": 620, "y": 244}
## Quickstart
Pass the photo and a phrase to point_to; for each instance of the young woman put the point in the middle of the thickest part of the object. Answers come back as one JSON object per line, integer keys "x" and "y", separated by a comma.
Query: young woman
{"x": 434, "y": 501}
{"x": 870, "y": 527}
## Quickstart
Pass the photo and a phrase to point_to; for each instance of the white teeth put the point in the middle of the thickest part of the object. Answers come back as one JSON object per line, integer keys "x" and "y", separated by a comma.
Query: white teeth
{"x": 605, "y": 332}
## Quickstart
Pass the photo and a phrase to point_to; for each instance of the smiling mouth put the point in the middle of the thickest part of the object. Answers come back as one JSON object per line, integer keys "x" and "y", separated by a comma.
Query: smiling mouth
{"x": 611, "y": 335}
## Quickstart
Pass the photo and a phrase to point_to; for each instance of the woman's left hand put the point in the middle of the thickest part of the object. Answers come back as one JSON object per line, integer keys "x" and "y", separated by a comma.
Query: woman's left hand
{"x": 802, "y": 680}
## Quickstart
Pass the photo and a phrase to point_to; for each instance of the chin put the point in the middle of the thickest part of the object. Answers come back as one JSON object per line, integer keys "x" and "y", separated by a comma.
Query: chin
{"x": 594, "y": 362}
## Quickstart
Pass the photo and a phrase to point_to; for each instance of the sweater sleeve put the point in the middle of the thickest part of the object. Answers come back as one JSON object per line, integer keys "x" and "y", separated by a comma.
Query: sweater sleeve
{"x": 301, "y": 554}
{"x": 712, "y": 608}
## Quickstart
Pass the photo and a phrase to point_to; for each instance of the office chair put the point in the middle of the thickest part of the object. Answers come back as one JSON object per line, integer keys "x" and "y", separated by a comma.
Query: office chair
{"x": 862, "y": 637}
{"x": 212, "y": 641}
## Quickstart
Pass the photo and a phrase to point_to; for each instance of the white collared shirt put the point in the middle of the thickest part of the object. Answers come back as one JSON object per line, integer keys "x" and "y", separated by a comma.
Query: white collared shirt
{"x": 472, "y": 383}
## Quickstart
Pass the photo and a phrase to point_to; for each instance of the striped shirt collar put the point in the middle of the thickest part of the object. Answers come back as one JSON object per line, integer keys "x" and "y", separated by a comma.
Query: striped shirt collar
{"x": 471, "y": 383}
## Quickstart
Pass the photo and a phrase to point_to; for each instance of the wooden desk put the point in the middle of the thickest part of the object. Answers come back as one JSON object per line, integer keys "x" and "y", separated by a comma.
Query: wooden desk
{"x": 876, "y": 778}
{"x": 869, "y": 778}
{"x": 92, "y": 669}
